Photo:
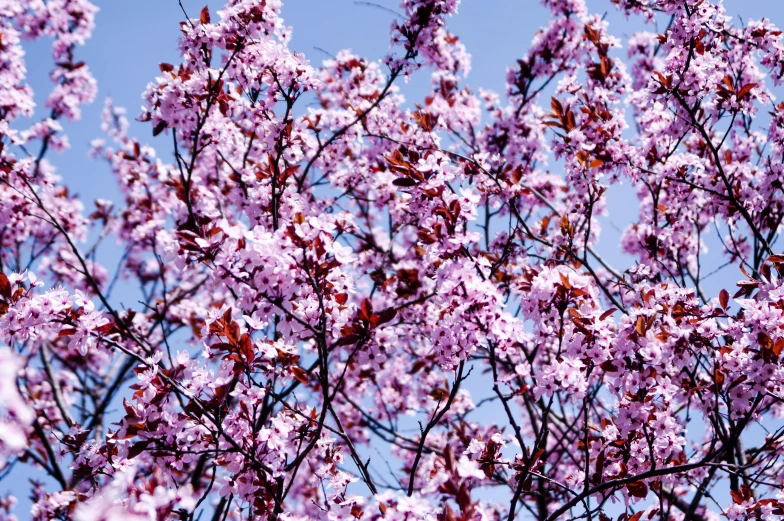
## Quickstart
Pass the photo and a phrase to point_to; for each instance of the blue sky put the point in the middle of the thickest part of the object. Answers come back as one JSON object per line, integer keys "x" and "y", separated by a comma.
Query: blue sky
{"x": 133, "y": 36}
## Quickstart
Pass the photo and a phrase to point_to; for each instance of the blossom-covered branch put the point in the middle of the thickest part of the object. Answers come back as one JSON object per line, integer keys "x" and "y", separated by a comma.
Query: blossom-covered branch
{"x": 349, "y": 306}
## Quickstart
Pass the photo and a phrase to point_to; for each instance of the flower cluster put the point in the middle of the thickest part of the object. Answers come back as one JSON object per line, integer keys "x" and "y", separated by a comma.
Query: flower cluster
{"x": 346, "y": 306}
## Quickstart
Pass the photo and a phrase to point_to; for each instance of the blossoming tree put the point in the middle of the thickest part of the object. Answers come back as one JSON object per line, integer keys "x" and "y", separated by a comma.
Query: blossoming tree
{"x": 362, "y": 309}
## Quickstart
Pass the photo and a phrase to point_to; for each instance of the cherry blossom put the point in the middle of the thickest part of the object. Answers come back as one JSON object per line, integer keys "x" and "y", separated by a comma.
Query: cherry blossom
{"x": 354, "y": 305}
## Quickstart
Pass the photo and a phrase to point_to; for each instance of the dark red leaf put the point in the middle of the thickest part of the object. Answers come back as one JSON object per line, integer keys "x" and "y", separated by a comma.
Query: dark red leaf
{"x": 387, "y": 315}
{"x": 366, "y": 310}
{"x": 137, "y": 448}
{"x": 638, "y": 489}
{"x": 204, "y": 16}
{"x": 607, "y": 313}
{"x": 724, "y": 298}
{"x": 159, "y": 127}
{"x": 5, "y": 287}
{"x": 300, "y": 374}
{"x": 746, "y": 89}
{"x": 404, "y": 181}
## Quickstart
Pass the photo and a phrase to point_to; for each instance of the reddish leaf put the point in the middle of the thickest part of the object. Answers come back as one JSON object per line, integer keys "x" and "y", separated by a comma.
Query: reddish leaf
{"x": 232, "y": 331}
{"x": 556, "y": 106}
{"x": 417, "y": 366}
{"x": 638, "y": 489}
{"x": 300, "y": 374}
{"x": 448, "y": 514}
{"x": 608, "y": 366}
{"x": 738, "y": 381}
{"x": 449, "y": 458}
{"x": 5, "y": 287}
{"x": 246, "y": 348}
{"x": 365, "y": 310}
{"x": 104, "y": 329}
{"x": 746, "y": 89}
{"x": 718, "y": 377}
{"x": 778, "y": 347}
{"x": 349, "y": 340}
{"x": 607, "y": 313}
{"x": 404, "y": 181}
{"x": 538, "y": 454}
{"x": 159, "y": 127}
{"x": 488, "y": 469}
{"x": 222, "y": 346}
{"x": 439, "y": 394}
{"x": 137, "y": 448}
{"x": 386, "y": 315}
{"x": 204, "y": 16}
{"x": 596, "y": 163}
{"x": 724, "y": 298}
{"x": 639, "y": 325}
